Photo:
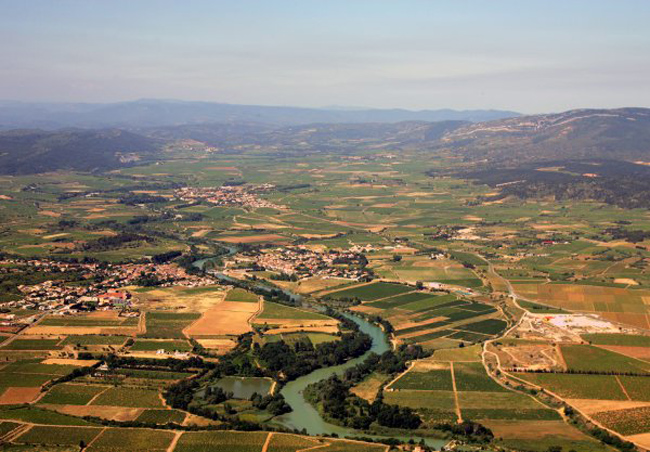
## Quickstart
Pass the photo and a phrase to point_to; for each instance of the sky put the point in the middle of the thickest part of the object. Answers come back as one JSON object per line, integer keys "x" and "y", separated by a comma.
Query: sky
{"x": 529, "y": 56}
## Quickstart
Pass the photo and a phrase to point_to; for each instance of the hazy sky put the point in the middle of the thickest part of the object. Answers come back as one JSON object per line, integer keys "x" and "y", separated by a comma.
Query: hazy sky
{"x": 526, "y": 55}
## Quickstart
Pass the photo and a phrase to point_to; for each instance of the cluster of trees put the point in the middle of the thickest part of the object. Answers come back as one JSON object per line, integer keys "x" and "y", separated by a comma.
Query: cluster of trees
{"x": 274, "y": 404}
{"x": 473, "y": 431}
{"x": 114, "y": 242}
{"x": 607, "y": 438}
{"x": 284, "y": 277}
{"x": 288, "y": 362}
{"x": 388, "y": 363}
{"x": 338, "y": 404}
{"x": 634, "y": 236}
{"x": 215, "y": 395}
{"x": 165, "y": 257}
{"x": 169, "y": 364}
{"x": 131, "y": 199}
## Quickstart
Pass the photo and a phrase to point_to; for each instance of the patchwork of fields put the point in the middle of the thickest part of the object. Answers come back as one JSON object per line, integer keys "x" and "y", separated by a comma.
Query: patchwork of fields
{"x": 433, "y": 319}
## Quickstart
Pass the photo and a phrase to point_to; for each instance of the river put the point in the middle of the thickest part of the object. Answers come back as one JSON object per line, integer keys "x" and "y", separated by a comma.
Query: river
{"x": 304, "y": 415}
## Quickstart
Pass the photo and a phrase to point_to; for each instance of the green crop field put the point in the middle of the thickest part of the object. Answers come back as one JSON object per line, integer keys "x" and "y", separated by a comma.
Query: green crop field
{"x": 129, "y": 397}
{"x": 638, "y": 388}
{"x": 24, "y": 380}
{"x": 489, "y": 326}
{"x": 438, "y": 400}
{"x": 345, "y": 446}
{"x": 35, "y": 366}
{"x": 238, "y": 294}
{"x": 94, "y": 340}
{"x": 320, "y": 338}
{"x": 401, "y": 300}
{"x": 472, "y": 377}
{"x": 168, "y": 346}
{"x": 576, "y": 386}
{"x": 168, "y": 325}
{"x": 278, "y": 311}
{"x": 589, "y": 358}
{"x": 372, "y": 291}
{"x": 33, "y": 344}
{"x": 439, "y": 379}
{"x": 58, "y": 435}
{"x": 221, "y": 442}
{"x": 161, "y": 416}
{"x": 133, "y": 440}
{"x": 151, "y": 374}
{"x": 627, "y": 340}
{"x": 290, "y": 443}
{"x": 40, "y": 416}
{"x": 71, "y": 394}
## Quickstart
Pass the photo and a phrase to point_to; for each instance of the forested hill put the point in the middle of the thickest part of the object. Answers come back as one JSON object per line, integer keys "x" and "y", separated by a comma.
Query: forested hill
{"x": 35, "y": 151}
{"x": 618, "y": 134}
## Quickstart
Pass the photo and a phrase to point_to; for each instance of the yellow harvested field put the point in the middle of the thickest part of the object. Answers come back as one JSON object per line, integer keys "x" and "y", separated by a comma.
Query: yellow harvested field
{"x": 82, "y": 330}
{"x": 252, "y": 238}
{"x": 312, "y": 284}
{"x": 200, "y": 233}
{"x": 14, "y": 395}
{"x": 226, "y": 318}
{"x": 332, "y": 329}
{"x": 180, "y": 298}
{"x": 49, "y": 213}
{"x": 368, "y": 388}
{"x": 192, "y": 419}
{"x": 409, "y": 324}
{"x": 642, "y": 353}
{"x": 589, "y": 406}
{"x": 222, "y": 345}
{"x": 534, "y": 430}
{"x": 71, "y": 362}
{"x": 114, "y": 413}
{"x": 425, "y": 366}
{"x": 642, "y": 439}
{"x": 629, "y": 281}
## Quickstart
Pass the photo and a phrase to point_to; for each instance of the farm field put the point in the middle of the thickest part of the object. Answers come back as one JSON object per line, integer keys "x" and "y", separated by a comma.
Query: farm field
{"x": 370, "y": 292}
{"x": 166, "y": 345}
{"x": 135, "y": 440}
{"x": 129, "y": 397}
{"x": 221, "y": 442}
{"x": 72, "y": 394}
{"x": 224, "y": 318}
{"x": 168, "y": 325}
{"x": 428, "y": 318}
{"x": 241, "y": 295}
{"x": 612, "y": 303}
{"x": 47, "y": 435}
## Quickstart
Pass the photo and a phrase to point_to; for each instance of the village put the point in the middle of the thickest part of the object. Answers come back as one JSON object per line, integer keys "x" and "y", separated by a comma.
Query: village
{"x": 101, "y": 287}
{"x": 301, "y": 262}
{"x": 229, "y": 195}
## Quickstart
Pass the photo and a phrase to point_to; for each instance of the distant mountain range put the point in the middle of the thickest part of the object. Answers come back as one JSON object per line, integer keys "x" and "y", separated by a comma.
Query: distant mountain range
{"x": 158, "y": 113}
{"x": 615, "y": 135}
